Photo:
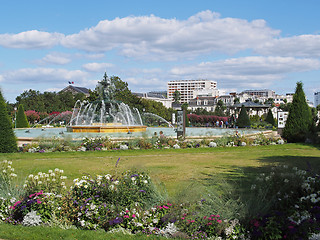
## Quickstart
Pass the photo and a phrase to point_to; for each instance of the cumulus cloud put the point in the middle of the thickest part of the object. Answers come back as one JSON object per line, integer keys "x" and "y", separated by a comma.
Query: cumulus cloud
{"x": 299, "y": 46}
{"x": 97, "y": 67}
{"x": 47, "y": 76}
{"x": 150, "y": 35}
{"x": 33, "y": 39}
{"x": 251, "y": 71}
{"x": 54, "y": 58}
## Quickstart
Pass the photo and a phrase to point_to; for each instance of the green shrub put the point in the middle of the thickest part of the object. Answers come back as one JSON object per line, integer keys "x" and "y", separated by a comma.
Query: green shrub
{"x": 299, "y": 119}
{"x": 21, "y": 121}
{"x": 270, "y": 119}
{"x": 243, "y": 119}
{"x": 8, "y": 142}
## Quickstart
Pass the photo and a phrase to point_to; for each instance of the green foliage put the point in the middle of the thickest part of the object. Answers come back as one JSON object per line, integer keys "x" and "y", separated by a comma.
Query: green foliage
{"x": 21, "y": 121}
{"x": 269, "y": 118}
{"x": 176, "y": 96}
{"x": 8, "y": 141}
{"x": 48, "y": 101}
{"x": 299, "y": 120}
{"x": 243, "y": 119}
{"x": 220, "y": 108}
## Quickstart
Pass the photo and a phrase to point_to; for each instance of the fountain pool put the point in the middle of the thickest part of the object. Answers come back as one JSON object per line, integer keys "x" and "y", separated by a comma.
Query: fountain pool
{"x": 167, "y": 131}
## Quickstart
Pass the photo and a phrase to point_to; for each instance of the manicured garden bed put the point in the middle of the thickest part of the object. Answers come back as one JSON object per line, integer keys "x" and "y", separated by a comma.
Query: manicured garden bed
{"x": 227, "y": 182}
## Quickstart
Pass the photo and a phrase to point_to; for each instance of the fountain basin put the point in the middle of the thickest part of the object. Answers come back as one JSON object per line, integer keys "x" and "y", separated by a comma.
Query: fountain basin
{"x": 106, "y": 129}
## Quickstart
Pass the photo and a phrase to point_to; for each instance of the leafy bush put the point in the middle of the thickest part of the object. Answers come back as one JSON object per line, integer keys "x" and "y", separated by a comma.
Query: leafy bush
{"x": 51, "y": 182}
{"x": 98, "y": 143}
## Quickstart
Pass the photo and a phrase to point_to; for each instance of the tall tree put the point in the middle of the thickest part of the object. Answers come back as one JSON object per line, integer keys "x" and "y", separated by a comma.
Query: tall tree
{"x": 243, "y": 119}
{"x": 299, "y": 119}
{"x": 8, "y": 142}
{"x": 21, "y": 121}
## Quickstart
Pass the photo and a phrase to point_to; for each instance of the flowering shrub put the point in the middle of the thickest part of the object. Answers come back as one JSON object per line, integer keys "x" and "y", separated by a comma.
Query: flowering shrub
{"x": 295, "y": 208}
{"x": 98, "y": 143}
{"x": 52, "y": 182}
{"x": 7, "y": 174}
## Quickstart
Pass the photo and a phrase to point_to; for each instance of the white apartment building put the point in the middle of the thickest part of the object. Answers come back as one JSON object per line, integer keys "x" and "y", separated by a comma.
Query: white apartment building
{"x": 265, "y": 93}
{"x": 188, "y": 88}
{"x": 316, "y": 99}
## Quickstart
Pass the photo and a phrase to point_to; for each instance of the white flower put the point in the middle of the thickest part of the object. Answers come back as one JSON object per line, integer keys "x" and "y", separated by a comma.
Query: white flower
{"x": 40, "y": 182}
{"x": 9, "y": 162}
{"x": 50, "y": 171}
{"x": 145, "y": 181}
{"x": 111, "y": 187}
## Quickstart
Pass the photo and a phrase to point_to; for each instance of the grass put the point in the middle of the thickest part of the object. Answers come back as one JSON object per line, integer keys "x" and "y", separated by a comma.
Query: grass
{"x": 49, "y": 233}
{"x": 174, "y": 168}
{"x": 182, "y": 172}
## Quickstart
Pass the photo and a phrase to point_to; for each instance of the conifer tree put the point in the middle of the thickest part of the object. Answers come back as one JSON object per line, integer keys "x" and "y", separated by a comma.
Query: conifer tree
{"x": 299, "y": 119}
{"x": 269, "y": 118}
{"x": 21, "y": 121}
{"x": 243, "y": 119}
{"x": 8, "y": 142}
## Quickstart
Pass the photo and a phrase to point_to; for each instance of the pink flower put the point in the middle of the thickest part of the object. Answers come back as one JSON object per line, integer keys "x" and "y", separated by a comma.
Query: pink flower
{"x": 126, "y": 216}
{"x": 204, "y": 217}
{"x": 127, "y": 211}
{"x": 209, "y": 218}
{"x": 212, "y": 215}
{"x": 209, "y": 223}
{"x": 192, "y": 221}
{"x": 182, "y": 218}
{"x": 218, "y": 216}
{"x": 38, "y": 201}
{"x": 133, "y": 215}
{"x": 165, "y": 207}
{"x": 219, "y": 221}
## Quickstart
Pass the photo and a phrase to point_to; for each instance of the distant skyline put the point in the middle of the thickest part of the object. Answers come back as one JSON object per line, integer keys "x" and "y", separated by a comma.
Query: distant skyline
{"x": 241, "y": 45}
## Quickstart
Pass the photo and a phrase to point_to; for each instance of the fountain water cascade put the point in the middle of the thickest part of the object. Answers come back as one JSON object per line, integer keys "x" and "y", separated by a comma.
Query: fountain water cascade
{"x": 106, "y": 114}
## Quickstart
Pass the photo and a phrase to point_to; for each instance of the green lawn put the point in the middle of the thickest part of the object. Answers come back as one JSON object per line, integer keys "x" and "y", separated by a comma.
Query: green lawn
{"x": 173, "y": 168}
{"x": 177, "y": 170}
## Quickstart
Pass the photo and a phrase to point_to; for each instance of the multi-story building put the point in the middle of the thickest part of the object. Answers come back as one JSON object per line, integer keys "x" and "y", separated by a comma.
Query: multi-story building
{"x": 187, "y": 88}
{"x": 316, "y": 99}
{"x": 264, "y": 93}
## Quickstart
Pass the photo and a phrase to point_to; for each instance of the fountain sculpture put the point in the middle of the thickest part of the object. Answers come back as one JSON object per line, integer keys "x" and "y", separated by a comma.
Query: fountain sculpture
{"x": 105, "y": 114}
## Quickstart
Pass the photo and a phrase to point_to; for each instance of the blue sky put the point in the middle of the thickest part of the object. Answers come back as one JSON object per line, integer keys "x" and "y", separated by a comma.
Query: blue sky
{"x": 265, "y": 44}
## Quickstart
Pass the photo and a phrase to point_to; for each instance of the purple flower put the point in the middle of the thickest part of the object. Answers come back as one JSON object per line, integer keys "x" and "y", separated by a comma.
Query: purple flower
{"x": 117, "y": 162}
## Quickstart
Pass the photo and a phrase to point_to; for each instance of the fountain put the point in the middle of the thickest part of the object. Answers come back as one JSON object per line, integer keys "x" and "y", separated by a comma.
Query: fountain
{"x": 105, "y": 115}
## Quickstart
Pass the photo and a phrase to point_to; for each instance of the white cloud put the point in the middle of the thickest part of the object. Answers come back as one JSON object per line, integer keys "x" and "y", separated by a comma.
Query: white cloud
{"x": 154, "y": 37}
{"x": 299, "y": 46}
{"x": 50, "y": 77}
{"x": 97, "y": 67}
{"x": 54, "y": 58}
{"x": 33, "y": 39}
{"x": 246, "y": 71}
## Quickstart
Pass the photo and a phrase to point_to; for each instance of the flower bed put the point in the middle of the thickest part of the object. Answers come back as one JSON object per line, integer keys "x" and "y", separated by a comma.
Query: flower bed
{"x": 161, "y": 142}
{"x": 288, "y": 203}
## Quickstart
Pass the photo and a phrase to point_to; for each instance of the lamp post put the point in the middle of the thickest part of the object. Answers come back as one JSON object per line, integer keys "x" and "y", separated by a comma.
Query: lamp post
{"x": 15, "y": 118}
